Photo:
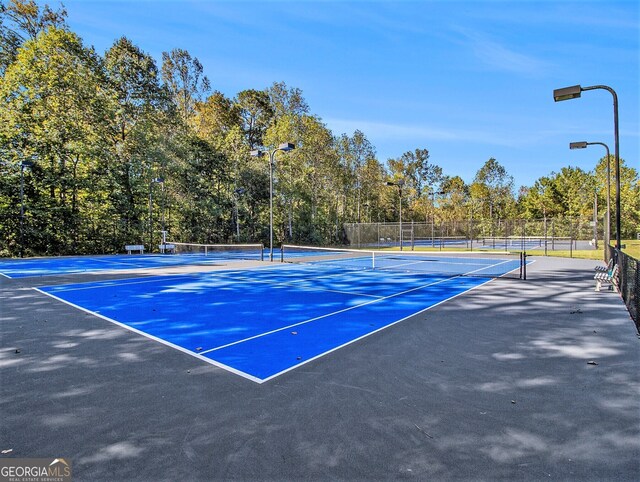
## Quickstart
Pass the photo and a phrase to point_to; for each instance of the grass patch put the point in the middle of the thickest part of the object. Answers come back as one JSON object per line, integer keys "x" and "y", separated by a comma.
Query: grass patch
{"x": 632, "y": 249}
{"x": 597, "y": 254}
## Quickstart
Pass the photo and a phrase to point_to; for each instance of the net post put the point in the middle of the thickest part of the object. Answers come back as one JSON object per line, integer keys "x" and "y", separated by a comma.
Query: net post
{"x": 521, "y": 264}
{"x": 261, "y": 252}
{"x": 373, "y": 260}
{"x": 281, "y": 253}
{"x": 524, "y": 265}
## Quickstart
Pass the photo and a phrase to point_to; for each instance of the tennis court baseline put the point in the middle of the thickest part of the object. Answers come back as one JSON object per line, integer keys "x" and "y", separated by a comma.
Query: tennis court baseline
{"x": 32, "y": 267}
{"x": 262, "y": 323}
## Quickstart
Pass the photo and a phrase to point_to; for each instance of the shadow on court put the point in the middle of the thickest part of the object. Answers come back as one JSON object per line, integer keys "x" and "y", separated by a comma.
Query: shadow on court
{"x": 494, "y": 384}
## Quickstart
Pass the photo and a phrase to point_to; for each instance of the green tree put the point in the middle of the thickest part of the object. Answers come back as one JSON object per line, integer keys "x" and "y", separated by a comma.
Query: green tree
{"x": 216, "y": 117}
{"x": 138, "y": 111}
{"x": 354, "y": 152}
{"x": 286, "y": 101}
{"x": 421, "y": 178}
{"x": 493, "y": 187}
{"x": 256, "y": 114}
{"x": 22, "y": 20}
{"x": 629, "y": 195}
{"x": 54, "y": 111}
{"x": 302, "y": 175}
{"x": 453, "y": 204}
{"x": 184, "y": 77}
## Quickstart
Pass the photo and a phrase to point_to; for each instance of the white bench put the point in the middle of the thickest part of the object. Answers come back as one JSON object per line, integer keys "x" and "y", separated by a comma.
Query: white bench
{"x": 167, "y": 248}
{"x": 605, "y": 269}
{"x": 609, "y": 277}
{"x": 134, "y": 247}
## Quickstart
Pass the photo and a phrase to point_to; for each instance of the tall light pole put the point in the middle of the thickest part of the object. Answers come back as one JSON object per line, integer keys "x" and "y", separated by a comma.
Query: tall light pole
{"x": 400, "y": 185}
{"x": 583, "y": 145}
{"x": 574, "y": 92}
{"x": 433, "y": 213}
{"x": 285, "y": 147}
{"x": 155, "y": 180}
{"x": 23, "y": 164}
{"x": 237, "y": 193}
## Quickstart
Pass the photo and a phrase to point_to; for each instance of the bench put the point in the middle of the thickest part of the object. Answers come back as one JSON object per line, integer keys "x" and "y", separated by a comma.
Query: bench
{"x": 134, "y": 247}
{"x": 610, "y": 277}
{"x": 605, "y": 269}
{"x": 167, "y": 248}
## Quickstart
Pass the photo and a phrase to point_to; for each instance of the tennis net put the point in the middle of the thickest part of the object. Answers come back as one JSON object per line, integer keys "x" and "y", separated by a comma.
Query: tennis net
{"x": 483, "y": 265}
{"x": 219, "y": 251}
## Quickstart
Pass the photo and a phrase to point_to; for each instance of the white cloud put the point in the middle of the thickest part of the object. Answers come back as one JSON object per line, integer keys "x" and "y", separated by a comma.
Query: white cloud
{"x": 499, "y": 57}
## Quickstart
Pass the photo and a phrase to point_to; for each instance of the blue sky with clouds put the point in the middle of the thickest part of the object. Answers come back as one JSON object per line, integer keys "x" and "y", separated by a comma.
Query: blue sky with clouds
{"x": 468, "y": 80}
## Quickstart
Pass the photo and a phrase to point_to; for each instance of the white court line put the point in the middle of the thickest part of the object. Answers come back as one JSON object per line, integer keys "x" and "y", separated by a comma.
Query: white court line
{"x": 251, "y": 377}
{"x": 326, "y": 315}
{"x": 307, "y": 288}
{"x": 228, "y": 275}
{"x": 373, "y": 332}
{"x": 89, "y": 285}
{"x": 115, "y": 262}
{"x": 155, "y": 338}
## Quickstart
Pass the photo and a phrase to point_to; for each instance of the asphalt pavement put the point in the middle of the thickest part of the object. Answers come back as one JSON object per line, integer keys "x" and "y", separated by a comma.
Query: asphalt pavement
{"x": 514, "y": 380}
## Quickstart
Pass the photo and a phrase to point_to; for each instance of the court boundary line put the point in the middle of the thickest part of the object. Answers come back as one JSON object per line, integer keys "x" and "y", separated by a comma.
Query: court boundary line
{"x": 376, "y": 331}
{"x": 226, "y": 273}
{"x": 155, "y": 338}
{"x": 199, "y": 355}
{"x": 304, "y": 322}
{"x": 235, "y": 371}
{"x": 115, "y": 269}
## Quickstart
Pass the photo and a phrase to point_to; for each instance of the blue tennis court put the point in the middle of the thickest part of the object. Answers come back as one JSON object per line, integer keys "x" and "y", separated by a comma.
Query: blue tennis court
{"x": 261, "y": 323}
{"x": 31, "y": 267}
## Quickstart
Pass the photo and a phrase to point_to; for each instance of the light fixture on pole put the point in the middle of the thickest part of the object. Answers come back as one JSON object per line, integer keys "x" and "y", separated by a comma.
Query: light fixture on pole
{"x": 155, "y": 180}
{"x": 23, "y": 164}
{"x": 574, "y": 92}
{"x": 583, "y": 145}
{"x": 400, "y": 185}
{"x": 285, "y": 147}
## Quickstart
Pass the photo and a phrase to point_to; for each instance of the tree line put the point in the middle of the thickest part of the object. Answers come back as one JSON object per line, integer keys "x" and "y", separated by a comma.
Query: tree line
{"x": 99, "y": 151}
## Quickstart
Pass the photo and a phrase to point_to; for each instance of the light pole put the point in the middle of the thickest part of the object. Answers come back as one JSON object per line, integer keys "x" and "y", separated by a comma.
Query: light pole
{"x": 400, "y": 185}
{"x": 433, "y": 213}
{"x": 583, "y": 145}
{"x": 23, "y": 164}
{"x": 156, "y": 180}
{"x": 237, "y": 193}
{"x": 285, "y": 147}
{"x": 574, "y": 92}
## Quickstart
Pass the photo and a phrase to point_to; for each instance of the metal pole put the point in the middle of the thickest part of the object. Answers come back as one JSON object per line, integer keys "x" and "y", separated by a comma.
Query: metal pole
{"x": 400, "y": 191}
{"x": 164, "y": 197}
{"x": 607, "y": 227}
{"x": 271, "y": 160}
{"x": 237, "y": 217}
{"x": 595, "y": 220}
{"x": 433, "y": 218}
{"x": 471, "y": 226}
{"x": 617, "y": 156}
{"x": 151, "y": 216}
{"x": 21, "y": 210}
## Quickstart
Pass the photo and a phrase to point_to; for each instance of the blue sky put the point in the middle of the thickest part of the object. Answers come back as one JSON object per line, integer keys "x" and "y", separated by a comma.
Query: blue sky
{"x": 468, "y": 80}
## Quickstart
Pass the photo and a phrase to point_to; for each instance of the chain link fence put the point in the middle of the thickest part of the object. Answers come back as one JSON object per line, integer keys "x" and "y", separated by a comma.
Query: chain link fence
{"x": 628, "y": 281}
{"x": 512, "y": 234}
